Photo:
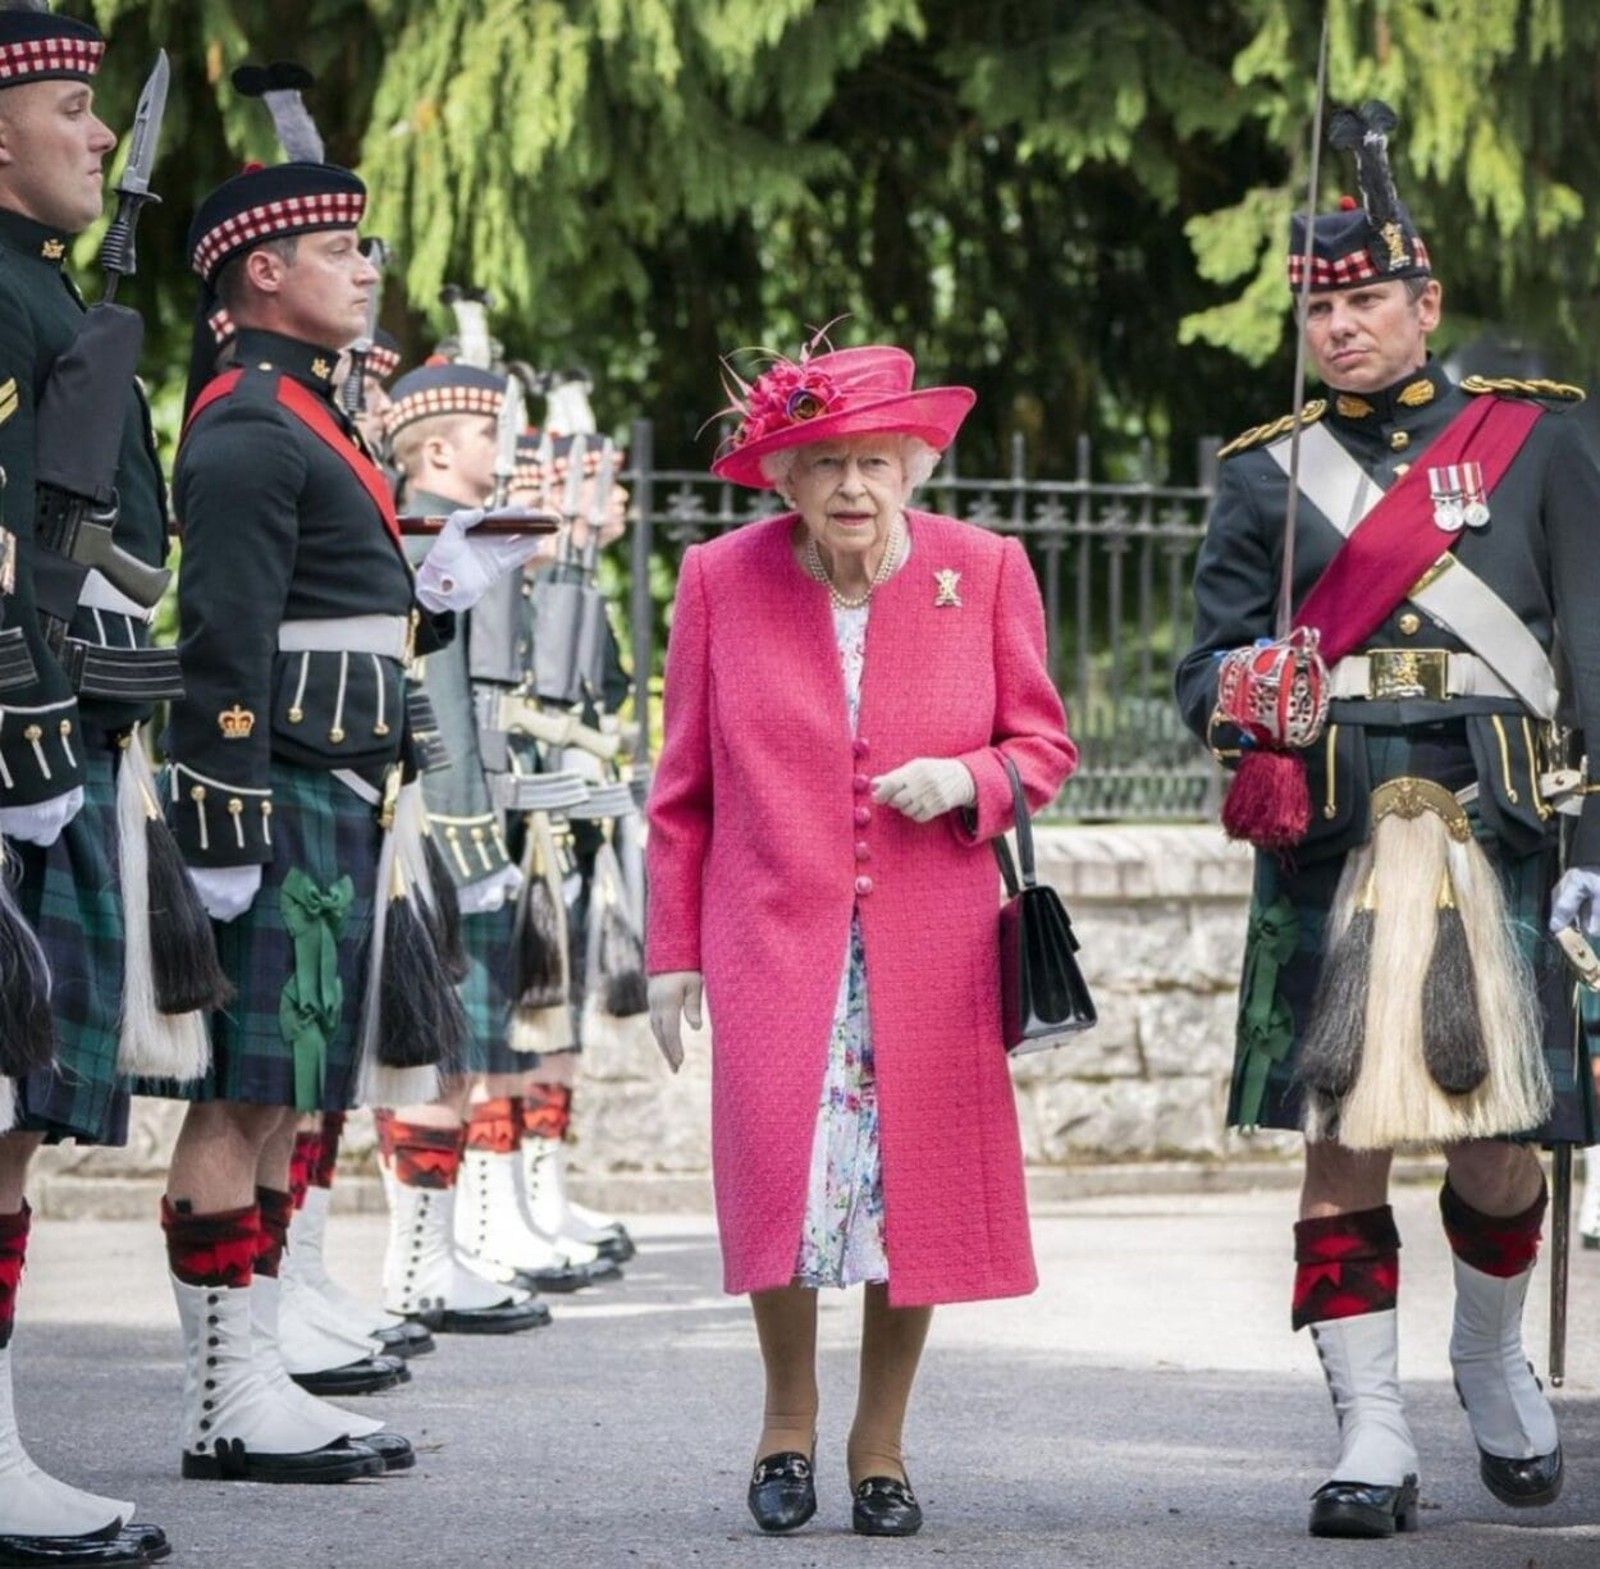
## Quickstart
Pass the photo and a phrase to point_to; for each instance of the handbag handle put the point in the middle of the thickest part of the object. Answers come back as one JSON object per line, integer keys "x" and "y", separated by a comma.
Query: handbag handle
{"x": 1024, "y": 826}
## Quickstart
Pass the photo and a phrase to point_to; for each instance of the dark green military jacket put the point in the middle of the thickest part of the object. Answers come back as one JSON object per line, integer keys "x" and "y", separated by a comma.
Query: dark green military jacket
{"x": 461, "y": 805}
{"x": 279, "y": 524}
{"x": 1540, "y": 552}
{"x": 42, "y": 720}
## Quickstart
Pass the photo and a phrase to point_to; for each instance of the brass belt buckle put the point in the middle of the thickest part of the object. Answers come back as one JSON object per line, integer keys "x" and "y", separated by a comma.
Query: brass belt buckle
{"x": 1397, "y": 673}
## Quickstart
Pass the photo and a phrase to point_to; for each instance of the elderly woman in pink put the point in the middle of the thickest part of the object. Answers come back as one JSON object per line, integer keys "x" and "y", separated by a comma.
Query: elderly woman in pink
{"x": 843, "y": 683}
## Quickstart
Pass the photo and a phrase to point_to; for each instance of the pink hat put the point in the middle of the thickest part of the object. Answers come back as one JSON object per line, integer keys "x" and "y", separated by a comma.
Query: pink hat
{"x": 821, "y": 397}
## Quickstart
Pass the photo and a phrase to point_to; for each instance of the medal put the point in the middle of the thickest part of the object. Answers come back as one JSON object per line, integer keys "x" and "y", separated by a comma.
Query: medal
{"x": 1475, "y": 501}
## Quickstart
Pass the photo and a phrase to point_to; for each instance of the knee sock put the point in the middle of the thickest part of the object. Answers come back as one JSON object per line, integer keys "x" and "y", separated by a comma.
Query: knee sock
{"x": 276, "y": 1211}
{"x": 211, "y": 1250}
{"x": 1345, "y": 1265}
{"x": 307, "y": 1152}
{"x": 493, "y": 1125}
{"x": 546, "y": 1111}
{"x": 891, "y": 1347}
{"x": 13, "y": 1250}
{"x": 786, "y": 1325}
{"x": 425, "y": 1157}
{"x": 1500, "y": 1245}
{"x": 328, "y": 1150}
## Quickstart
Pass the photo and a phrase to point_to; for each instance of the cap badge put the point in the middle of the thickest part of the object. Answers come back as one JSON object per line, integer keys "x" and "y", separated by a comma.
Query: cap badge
{"x": 1394, "y": 237}
{"x": 236, "y": 723}
{"x": 1414, "y": 395}
{"x": 1459, "y": 498}
{"x": 948, "y": 581}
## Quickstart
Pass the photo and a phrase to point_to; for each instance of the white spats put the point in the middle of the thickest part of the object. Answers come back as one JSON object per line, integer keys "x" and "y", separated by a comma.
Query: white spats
{"x": 1510, "y": 1416}
{"x": 1360, "y": 1359}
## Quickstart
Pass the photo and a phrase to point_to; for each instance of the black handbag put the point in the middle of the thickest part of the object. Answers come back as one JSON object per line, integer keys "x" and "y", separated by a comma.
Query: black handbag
{"x": 1043, "y": 995}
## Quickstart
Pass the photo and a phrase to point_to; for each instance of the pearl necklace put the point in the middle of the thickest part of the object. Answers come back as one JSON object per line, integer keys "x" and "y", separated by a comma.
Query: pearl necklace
{"x": 886, "y": 567}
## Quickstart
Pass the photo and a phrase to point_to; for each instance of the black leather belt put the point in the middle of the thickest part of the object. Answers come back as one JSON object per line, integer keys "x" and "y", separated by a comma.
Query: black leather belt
{"x": 129, "y": 675}
{"x": 16, "y": 663}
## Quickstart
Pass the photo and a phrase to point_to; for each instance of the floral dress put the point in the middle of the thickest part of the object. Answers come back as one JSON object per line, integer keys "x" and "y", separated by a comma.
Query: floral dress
{"x": 841, "y": 1241}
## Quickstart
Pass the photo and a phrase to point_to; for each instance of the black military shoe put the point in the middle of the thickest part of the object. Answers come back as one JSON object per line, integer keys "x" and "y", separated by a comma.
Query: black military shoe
{"x": 885, "y": 1506}
{"x": 341, "y": 1461}
{"x": 405, "y": 1339}
{"x": 1523, "y": 1484}
{"x": 364, "y": 1377}
{"x": 783, "y": 1491}
{"x": 1364, "y": 1509}
{"x": 128, "y": 1544}
{"x": 395, "y": 1452}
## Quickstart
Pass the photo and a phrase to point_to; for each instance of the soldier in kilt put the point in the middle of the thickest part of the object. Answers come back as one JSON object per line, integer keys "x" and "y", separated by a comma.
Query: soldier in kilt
{"x": 76, "y": 678}
{"x": 1400, "y": 989}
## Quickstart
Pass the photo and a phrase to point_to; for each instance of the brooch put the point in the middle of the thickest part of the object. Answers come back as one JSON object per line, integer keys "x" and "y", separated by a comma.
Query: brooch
{"x": 949, "y": 582}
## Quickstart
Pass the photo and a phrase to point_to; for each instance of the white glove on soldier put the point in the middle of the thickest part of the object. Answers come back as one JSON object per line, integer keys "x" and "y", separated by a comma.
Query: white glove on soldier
{"x": 490, "y": 893}
{"x": 1577, "y": 897}
{"x": 459, "y": 570}
{"x": 673, "y": 997}
{"x": 42, "y": 822}
{"x": 926, "y": 787}
{"x": 226, "y": 891}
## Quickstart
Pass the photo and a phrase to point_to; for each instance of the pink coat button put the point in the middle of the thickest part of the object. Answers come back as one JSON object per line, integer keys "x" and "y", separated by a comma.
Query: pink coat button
{"x": 859, "y": 747}
{"x": 863, "y": 816}
{"x": 861, "y": 784}
{"x": 863, "y": 886}
{"x": 863, "y": 850}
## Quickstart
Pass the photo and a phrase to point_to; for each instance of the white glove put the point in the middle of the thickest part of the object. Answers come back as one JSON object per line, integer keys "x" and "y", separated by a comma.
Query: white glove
{"x": 459, "y": 570}
{"x": 490, "y": 893}
{"x": 42, "y": 822}
{"x": 226, "y": 891}
{"x": 674, "y": 996}
{"x": 926, "y": 787}
{"x": 1577, "y": 895}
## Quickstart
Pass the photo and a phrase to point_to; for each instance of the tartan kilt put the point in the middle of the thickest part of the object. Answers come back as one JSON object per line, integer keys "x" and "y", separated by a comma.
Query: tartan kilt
{"x": 326, "y": 831}
{"x": 486, "y": 937}
{"x": 69, "y": 894}
{"x": 1527, "y": 881}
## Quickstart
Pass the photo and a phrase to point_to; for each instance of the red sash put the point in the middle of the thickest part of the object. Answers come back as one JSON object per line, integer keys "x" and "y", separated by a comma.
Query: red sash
{"x": 313, "y": 413}
{"x": 1379, "y": 564}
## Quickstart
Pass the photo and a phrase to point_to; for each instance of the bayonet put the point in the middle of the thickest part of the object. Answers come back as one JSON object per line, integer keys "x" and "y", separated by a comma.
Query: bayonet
{"x": 508, "y": 426}
{"x": 118, "y": 259}
{"x": 471, "y": 308}
{"x": 353, "y": 394}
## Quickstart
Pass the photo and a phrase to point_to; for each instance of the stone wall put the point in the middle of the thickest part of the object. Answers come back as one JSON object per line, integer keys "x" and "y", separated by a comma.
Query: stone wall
{"x": 1161, "y": 916}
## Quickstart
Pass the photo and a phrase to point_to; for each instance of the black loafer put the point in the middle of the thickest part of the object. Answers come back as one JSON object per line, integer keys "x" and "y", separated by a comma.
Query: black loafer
{"x": 1523, "y": 1484}
{"x": 885, "y": 1506}
{"x": 365, "y": 1377}
{"x": 1364, "y": 1509}
{"x": 119, "y": 1545}
{"x": 395, "y": 1452}
{"x": 783, "y": 1491}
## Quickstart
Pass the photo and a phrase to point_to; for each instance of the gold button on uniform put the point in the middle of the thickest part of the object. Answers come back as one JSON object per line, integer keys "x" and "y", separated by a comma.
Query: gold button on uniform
{"x": 1400, "y": 440}
{"x": 1411, "y": 623}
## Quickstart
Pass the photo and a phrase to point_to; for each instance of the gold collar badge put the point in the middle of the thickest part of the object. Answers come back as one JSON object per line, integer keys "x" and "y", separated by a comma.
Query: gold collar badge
{"x": 1352, "y": 408}
{"x": 949, "y": 581}
{"x": 321, "y": 369}
{"x": 53, "y": 250}
{"x": 1416, "y": 394}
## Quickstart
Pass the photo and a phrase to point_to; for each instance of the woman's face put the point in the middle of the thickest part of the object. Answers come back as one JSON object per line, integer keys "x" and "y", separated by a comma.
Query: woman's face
{"x": 849, "y": 492}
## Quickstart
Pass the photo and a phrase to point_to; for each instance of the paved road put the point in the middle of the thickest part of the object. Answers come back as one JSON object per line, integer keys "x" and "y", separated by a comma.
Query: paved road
{"x": 1147, "y": 1408}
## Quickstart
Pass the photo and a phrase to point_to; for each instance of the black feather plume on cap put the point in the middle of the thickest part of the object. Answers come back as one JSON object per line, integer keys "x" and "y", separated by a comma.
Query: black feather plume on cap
{"x": 1365, "y": 132}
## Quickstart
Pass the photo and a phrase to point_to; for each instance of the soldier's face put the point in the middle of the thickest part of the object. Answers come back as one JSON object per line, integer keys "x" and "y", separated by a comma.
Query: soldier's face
{"x": 52, "y": 149}
{"x": 323, "y": 292}
{"x": 1366, "y": 339}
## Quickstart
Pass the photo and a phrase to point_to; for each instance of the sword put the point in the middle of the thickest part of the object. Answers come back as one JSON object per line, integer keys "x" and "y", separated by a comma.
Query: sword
{"x": 1286, "y": 582}
{"x": 353, "y": 394}
{"x": 117, "y": 257}
{"x": 1560, "y": 1256}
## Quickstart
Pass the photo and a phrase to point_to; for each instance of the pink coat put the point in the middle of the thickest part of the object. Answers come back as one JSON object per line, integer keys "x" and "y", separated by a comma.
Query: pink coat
{"x": 764, "y": 837}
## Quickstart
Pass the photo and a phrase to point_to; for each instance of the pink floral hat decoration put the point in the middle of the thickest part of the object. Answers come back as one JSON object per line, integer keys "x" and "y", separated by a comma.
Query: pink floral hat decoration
{"x": 821, "y": 397}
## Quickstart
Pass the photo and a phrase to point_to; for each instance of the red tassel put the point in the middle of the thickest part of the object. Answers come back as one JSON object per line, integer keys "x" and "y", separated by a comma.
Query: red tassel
{"x": 1268, "y": 803}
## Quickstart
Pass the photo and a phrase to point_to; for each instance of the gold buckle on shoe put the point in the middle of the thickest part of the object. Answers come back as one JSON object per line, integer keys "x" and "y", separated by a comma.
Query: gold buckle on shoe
{"x": 1397, "y": 673}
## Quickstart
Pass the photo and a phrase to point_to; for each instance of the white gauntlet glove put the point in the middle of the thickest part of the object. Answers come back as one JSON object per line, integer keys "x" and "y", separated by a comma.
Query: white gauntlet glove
{"x": 42, "y": 822}
{"x": 673, "y": 997}
{"x": 926, "y": 788}
{"x": 1577, "y": 899}
{"x": 226, "y": 891}
{"x": 459, "y": 570}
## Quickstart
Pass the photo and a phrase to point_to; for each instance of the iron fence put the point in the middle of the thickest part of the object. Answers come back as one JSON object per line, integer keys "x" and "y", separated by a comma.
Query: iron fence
{"x": 1114, "y": 562}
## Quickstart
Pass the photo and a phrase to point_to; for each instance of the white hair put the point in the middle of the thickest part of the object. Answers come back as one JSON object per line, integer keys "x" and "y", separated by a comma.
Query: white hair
{"x": 917, "y": 458}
